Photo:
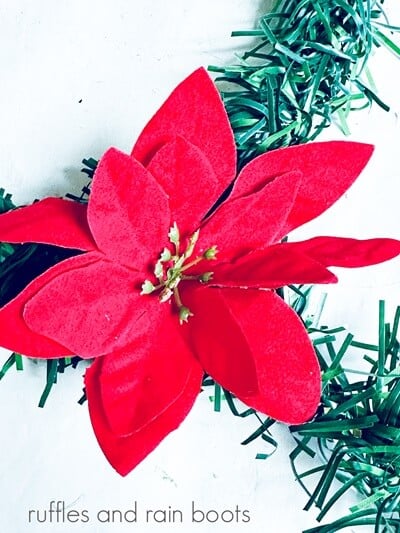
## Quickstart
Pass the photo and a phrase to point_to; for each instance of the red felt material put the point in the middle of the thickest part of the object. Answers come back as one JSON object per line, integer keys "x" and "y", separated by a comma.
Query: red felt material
{"x": 194, "y": 111}
{"x": 124, "y": 201}
{"x": 93, "y": 310}
{"x": 328, "y": 168}
{"x": 181, "y": 168}
{"x": 133, "y": 383}
{"x": 15, "y": 333}
{"x": 343, "y": 252}
{"x": 249, "y": 222}
{"x": 50, "y": 221}
{"x": 273, "y": 267}
{"x": 234, "y": 370}
{"x": 286, "y": 365}
{"x": 124, "y": 453}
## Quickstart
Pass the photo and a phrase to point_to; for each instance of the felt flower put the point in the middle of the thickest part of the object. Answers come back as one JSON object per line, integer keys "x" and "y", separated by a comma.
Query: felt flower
{"x": 168, "y": 286}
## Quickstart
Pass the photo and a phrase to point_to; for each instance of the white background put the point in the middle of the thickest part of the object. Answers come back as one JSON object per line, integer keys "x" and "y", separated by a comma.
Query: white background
{"x": 76, "y": 78}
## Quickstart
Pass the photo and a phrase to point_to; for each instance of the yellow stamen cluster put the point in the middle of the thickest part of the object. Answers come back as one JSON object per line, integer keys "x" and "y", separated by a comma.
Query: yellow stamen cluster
{"x": 171, "y": 267}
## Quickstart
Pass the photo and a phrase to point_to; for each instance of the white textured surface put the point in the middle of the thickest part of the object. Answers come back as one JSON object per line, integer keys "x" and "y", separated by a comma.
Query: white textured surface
{"x": 77, "y": 77}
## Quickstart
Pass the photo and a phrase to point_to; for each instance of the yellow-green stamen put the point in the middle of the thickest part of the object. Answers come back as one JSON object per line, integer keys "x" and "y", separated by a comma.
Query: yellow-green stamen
{"x": 170, "y": 268}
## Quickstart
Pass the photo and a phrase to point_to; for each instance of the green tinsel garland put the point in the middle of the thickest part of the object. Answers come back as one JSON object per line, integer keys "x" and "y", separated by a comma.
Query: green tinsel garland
{"x": 306, "y": 69}
{"x": 357, "y": 430}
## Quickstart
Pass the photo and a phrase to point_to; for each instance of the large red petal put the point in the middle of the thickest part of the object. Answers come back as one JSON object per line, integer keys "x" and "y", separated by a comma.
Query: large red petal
{"x": 194, "y": 111}
{"x": 273, "y": 267}
{"x": 344, "y": 252}
{"x": 15, "y": 334}
{"x": 328, "y": 169}
{"x": 249, "y": 222}
{"x": 128, "y": 211}
{"x": 187, "y": 177}
{"x": 286, "y": 366}
{"x": 50, "y": 221}
{"x": 141, "y": 381}
{"x": 93, "y": 310}
{"x": 218, "y": 340}
{"x": 136, "y": 398}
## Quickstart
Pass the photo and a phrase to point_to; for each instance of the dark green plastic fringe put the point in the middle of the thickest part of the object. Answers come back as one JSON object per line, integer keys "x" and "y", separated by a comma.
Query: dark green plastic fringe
{"x": 307, "y": 68}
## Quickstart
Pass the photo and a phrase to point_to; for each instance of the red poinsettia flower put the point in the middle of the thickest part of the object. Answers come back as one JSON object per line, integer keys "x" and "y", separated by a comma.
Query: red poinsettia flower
{"x": 165, "y": 290}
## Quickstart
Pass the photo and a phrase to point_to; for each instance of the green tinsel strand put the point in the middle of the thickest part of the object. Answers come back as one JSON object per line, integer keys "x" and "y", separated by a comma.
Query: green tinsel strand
{"x": 358, "y": 432}
{"x": 304, "y": 70}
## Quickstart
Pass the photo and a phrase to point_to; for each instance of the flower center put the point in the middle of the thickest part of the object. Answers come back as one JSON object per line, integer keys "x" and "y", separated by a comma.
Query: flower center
{"x": 171, "y": 267}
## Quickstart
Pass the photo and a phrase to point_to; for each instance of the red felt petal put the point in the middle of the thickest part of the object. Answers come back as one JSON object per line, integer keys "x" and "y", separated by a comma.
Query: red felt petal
{"x": 344, "y": 252}
{"x": 93, "y": 310}
{"x": 15, "y": 334}
{"x": 187, "y": 177}
{"x": 194, "y": 111}
{"x": 249, "y": 222}
{"x": 50, "y": 221}
{"x": 287, "y": 368}
{"x": 273, "y": 267}
{"x": 142, "y": 381}
{"x": 328, "y": 169}
{"x": 218, "y": 340}
{"x": 134, "y": 404}
{"x": 128, "y": 211}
